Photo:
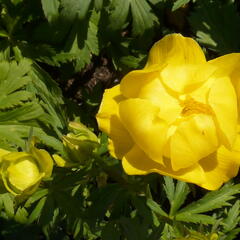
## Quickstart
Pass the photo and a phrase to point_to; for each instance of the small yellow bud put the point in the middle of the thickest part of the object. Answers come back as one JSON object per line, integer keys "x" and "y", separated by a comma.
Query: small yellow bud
{"x": 22, "y": 172}
{"x": 79, "y": 145}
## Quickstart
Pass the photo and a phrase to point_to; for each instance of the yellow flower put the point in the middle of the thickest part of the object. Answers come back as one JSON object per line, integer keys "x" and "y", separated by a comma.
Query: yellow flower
{"x": 79, "y": 145}
{"x": 178, "y": 116}
{"x": 22, "y": 172}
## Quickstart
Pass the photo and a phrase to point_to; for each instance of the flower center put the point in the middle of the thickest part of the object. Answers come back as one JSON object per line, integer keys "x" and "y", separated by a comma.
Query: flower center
{"x": 190, "y": 106}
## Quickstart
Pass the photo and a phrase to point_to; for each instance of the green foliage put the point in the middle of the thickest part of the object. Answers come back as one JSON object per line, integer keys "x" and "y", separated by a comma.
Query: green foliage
{"x": 220, "y": 25}
{"x": 56, "y": 59}
{"x": 179, "y": 3}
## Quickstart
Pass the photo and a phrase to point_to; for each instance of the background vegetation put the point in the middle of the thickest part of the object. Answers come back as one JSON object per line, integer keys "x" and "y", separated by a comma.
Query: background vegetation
{"x": 56, "y": 59}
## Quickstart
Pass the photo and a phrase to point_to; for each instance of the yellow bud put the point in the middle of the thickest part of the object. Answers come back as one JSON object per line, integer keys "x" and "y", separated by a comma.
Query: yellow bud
{"x": 22, "y": 172}
{"x": 79, "y": 145}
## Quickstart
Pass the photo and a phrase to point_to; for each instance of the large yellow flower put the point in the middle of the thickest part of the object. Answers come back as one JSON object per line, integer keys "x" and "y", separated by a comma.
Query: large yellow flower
{"x": 178, "y": 116}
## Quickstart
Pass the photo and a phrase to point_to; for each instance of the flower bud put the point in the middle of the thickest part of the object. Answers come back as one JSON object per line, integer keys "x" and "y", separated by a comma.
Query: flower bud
{"x": 79, "y": 145}
{"x": 22, "y": 172}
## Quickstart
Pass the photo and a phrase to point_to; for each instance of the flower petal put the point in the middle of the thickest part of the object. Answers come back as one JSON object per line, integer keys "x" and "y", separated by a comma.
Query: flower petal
{"x": 133, "y": 82}
{"x": 23, "y": 173}
{"x": 109, "y": 108}
{"x": 3, "y": 152}
{"x": 220, "y": 167}
{"x": 226, "y": 64}
{"x": 148, "y": 130}
{"x": 158, "y": 95}
{"x": 109, "y": 122}
{"x": 222, "y": 98}
{"x": 177, "y": 50}
{"x": 194, "y": 138}
{"x": 120, "y": 141}
{"x": 136, "y": 162}
{"x": 44, "y": 160}
{"x": 186, "y": 78}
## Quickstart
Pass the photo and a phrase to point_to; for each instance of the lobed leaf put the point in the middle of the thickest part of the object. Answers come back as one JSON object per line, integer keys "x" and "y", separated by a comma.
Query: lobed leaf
{"x": 232, "y": 219}
{"x": 143, "y": 18}
{"x": 180, "y": 196}
{"x": 50, "y": 9}
{"x": 215, "y": 24}
{"x": 179, "y": 3}
{"x": 156, "y": 208}
{"x": 212, "y": 200}
{"x": 195, "y": 218}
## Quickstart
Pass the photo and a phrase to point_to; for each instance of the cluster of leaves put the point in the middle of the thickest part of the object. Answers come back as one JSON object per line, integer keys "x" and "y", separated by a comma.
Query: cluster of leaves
{"x": 47, "y": 43}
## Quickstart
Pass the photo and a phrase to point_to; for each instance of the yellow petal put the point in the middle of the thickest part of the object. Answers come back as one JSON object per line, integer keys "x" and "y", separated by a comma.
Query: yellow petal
{"x": 2, "y": 153}
{"x": 186, "y": 78}
{"x": 121, "y": 141}
{"x": 222, "y": 99}
{"x": 136, "y": 162}
{"x": 155, "y": 92}
{"x": 44, "y": 160}
{"x": 177, "y": 50}
{"x": 148, "y": 130}
{"x": 236, "y": 149}
{"x": 14, "y": 156}
{"x": 109, "y": 122}
{"x": 219, "y": 167}
{"x": 23, "y": 174}
{"x": 109, "y": 108}
{"x": 194, "y": 138}
{"x": 133, "y": 82}
{"x": 226, "y": 64}
{"x": 63, "y": 163}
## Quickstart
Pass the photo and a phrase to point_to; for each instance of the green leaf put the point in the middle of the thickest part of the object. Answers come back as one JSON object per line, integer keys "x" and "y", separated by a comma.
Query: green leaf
{"x": 27, "y": 112}
{"x": 169, "y": 188}
{"x": 8, "y": 204}
{"x": 98, "y": 4}
{"x": 180, "y": 195}
{"x": 143, "y": 18}
{"x": 51, "y": 97}
{"x": 195, "y": 218}
{"x": 21, "y": 215}
{"x": 14, "y": 99}
{"x": 35, "y": 214}
{"x": 35, "y": 197}
{"x": 156, "y": 208}
{"x": 179, "y": 3}
{"x": 232, "y": 219}
{"x": 212, "y": 200}
{"x": 232, "y": 234}
{"x": 119, "y": 14}
{"x": 75, "y": 8}
{"x": 50, "y": 9}
{"x": 13, "y": 76}
{"x": 83, "y": 41}
{"x": 216, "y": 24}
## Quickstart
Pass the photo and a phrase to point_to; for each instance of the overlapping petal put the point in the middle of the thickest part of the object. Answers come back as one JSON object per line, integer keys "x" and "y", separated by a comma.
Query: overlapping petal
{"x": 222, "y": 99}
{"x": 136, "y": 162}
{"x": 109, "y": 122}
{"x": 141, "y": 118}
{"x": 193, "y": 140}
{"x": 220, "y": 167}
